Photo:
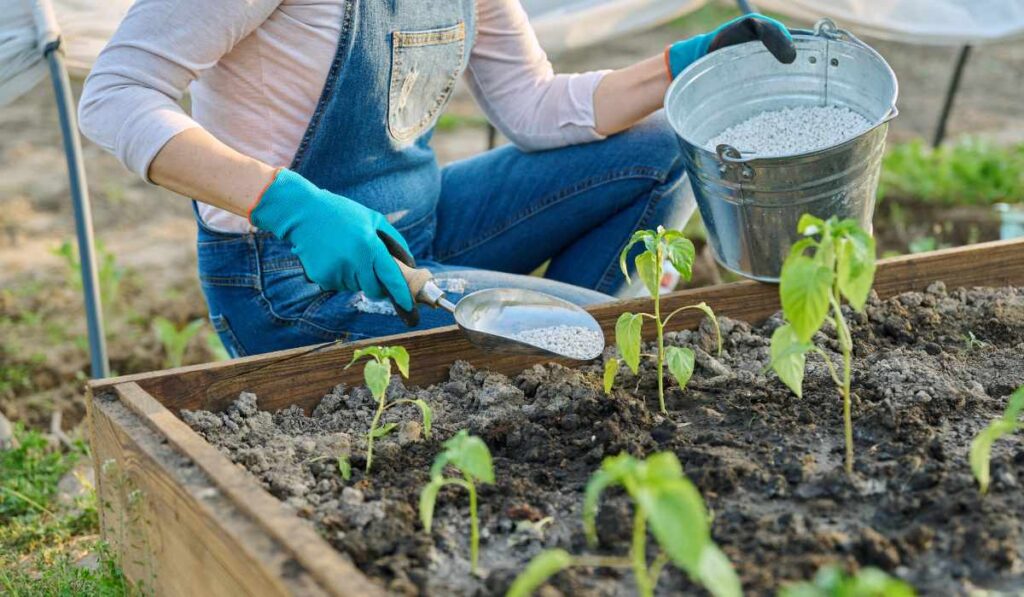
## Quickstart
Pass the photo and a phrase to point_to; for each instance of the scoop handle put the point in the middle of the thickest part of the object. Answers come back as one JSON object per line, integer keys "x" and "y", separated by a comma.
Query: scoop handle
{"x": 421, "y": 284}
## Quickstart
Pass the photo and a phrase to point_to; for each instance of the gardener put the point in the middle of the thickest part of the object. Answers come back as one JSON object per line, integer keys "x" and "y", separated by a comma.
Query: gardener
{"x": 307, "y": 153}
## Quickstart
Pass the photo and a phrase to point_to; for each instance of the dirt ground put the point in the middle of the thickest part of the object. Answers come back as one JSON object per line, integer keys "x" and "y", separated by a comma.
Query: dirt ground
{"x": 150, "y": 232}
{"x": 769, "y": 464}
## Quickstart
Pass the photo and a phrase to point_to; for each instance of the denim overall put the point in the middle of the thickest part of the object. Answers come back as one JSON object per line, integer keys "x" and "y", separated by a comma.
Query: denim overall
{"x": 483, "y": 222}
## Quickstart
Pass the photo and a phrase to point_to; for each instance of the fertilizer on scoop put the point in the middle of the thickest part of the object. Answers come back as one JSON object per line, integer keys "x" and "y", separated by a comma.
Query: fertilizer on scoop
{"x": 572, "y": 341}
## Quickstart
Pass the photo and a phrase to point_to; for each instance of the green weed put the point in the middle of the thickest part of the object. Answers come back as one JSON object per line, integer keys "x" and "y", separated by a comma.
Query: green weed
{"x": 38, "y": 534}
{"x": 175, "y": 340}
{"x": 971, "y": 171}
{"x": 833, "y": 582}
{"x": 981, "y": 448}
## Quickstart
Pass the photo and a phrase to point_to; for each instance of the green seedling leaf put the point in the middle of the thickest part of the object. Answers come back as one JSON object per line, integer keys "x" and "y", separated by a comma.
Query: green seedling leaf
{"x": 981, "y": 450}
{"x": 649, "y": 269}
{"x": 855, "y": 269}
{"x": 716, "y": 573}
{"x": 401, "y": 358}
{"x": 344, "y": 467}
{"x": 610, "y": 369}
{"x": 428, "y": 498}
{"x": 810, "y": 225}
{"x": 645, "y": 236}
{"x": 613, "y": 470}
{"x": 804, "y": 290}
{"x": 627, "y": 338}
{"x": 680, "y": 363}
{"x": 469, "y": 454}
{"x": 377, "y": 375}
{"x": 1015, "y": 406}
{"x": 377, "y": 352}
{"x": 789, "y": 357}
{"x": 833, "y": 582}
{"x": 677, "y": 519}
{"x": 542, "y": 567}
{"x": 681, "y": 253}
{"x": 383, "y": 430}
{"x": 428, "y": 415}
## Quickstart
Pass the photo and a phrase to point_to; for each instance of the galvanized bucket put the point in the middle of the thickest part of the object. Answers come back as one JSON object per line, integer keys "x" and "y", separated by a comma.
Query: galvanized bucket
{"x": 751, "y": 205}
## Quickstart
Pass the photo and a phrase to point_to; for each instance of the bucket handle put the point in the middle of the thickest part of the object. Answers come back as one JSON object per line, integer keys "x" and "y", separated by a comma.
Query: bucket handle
{"x": 732, "y": 161}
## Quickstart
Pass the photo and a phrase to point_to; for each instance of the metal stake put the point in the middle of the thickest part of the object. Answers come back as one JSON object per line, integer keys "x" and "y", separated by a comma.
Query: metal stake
{"x": 954, "y": 86}
{"x": 80, "y": 202}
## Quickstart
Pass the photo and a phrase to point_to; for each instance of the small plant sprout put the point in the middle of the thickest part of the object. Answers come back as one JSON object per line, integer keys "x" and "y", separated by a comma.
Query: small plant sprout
{"x": 662, "y": 496}
{"x": 660, "y": 245}
{"x": 174, "y": 340}
{"x": 469, "y": 455}
{"x": 842, "y": 266}
{"x": 377, "y": 373}
{"x": 981, "y": 446}
{"x": 833, "y": 582}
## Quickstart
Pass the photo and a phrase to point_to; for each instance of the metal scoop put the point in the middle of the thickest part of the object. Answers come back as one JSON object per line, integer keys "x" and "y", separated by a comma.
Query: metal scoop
{"x": 491, "y": 318}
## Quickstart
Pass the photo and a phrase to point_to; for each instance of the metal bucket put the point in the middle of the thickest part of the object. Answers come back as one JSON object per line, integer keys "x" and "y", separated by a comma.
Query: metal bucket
{"x": 751, "y": 205}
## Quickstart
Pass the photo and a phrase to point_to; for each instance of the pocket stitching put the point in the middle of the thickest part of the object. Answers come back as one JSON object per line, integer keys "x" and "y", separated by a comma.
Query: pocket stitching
{"x": 418, "y": 39}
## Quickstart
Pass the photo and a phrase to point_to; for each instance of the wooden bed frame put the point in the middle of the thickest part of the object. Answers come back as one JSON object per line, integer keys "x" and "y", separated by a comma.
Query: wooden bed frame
{"x": 184, "y": 520}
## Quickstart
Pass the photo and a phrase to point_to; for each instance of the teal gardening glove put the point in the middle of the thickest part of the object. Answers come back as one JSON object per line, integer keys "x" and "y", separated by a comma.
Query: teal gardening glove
{"x": 752, "y": 27}
{"x": 343, "y": 246}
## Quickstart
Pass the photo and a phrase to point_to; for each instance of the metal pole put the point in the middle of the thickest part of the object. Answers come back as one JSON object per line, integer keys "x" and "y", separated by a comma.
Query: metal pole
{"x": 744, "y": 6}
{"x": 947, "y": 105}
{"x": 80, "y": 201}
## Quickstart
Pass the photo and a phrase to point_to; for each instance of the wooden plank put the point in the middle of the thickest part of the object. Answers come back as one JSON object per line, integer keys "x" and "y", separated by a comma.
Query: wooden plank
{"x": 298, "y": 538}
{"x": 174, "y": 533}
{"x": 301, "y": 376}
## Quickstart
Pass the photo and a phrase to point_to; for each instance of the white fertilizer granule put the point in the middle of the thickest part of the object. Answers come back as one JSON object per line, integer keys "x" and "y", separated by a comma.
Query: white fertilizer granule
{"x": 792, "y": 131}
{"x": 571, "y": 341}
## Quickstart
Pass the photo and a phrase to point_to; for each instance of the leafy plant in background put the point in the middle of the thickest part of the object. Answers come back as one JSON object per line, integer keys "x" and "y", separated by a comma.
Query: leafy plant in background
{"x": 842, "y": 265}
{"x": 469, "y": 455}
{"x": 662, "y": 496}
{"x": 659, "y": 245}
{"x": 971, "y": 171}
{"x": 109, "y": 273}
{"x": 175, "y": 340}
{"x": 377, "y": 373}
{"x": 833, "y": 582}
{"x": 981, "y": 446}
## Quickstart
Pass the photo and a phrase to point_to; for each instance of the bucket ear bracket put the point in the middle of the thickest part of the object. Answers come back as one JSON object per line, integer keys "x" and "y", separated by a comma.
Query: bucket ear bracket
{"x": 732, "y": 165}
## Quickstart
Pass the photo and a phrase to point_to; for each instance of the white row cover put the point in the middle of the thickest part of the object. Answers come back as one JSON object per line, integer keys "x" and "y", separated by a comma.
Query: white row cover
{"x": 918, "y": 22}
{"x": 86, "y": 25}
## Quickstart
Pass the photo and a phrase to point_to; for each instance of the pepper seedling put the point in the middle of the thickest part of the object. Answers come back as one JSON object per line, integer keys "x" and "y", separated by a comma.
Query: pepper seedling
{"x": 377, "y": 373}
{"x": 660, "y": 245}
{"x": 981, "y": 446}
{"x": 833, "y": 582}
{"x": 662, "y": 496}
{"x": 469, "y": 455}
{"x": 841, "y": 265}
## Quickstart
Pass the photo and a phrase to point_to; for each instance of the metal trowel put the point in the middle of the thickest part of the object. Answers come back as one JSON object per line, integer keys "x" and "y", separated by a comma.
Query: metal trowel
{"x": 491, "y": 318}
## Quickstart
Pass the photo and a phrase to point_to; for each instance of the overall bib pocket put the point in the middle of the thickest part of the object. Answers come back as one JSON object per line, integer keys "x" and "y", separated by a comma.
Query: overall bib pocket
{"x": 424, "y": 68}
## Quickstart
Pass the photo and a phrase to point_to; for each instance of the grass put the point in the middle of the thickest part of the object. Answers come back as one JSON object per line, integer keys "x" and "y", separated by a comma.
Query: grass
{"x": 970, "y": 171}
{"x": 41, "y": 539}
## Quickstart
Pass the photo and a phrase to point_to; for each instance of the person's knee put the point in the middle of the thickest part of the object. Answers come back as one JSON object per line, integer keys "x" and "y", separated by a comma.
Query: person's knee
{"x": 653, "y": 143}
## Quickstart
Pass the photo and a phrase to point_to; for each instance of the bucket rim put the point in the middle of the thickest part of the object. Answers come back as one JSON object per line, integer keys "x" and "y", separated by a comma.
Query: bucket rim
{"x": 825, "y": 30}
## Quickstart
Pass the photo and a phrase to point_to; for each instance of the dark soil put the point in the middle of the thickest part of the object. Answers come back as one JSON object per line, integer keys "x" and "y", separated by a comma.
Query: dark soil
{"x": 769, "y": 464}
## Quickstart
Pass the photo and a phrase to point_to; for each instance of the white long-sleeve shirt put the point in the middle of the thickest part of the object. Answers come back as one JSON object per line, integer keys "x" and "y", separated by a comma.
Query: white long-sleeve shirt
{"x": 257, "y": 67}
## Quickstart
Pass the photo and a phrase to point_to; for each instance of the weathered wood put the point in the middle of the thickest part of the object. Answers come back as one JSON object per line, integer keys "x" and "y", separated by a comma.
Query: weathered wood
{"x": 305, "y": 548}
{"x": 174, "y": 532}
{"x": 302, "y": 376}
{"x": 186, "y": 521}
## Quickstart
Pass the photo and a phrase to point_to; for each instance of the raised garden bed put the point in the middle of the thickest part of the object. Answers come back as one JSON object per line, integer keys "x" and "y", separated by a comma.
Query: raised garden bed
{"x": 187, "y": 520}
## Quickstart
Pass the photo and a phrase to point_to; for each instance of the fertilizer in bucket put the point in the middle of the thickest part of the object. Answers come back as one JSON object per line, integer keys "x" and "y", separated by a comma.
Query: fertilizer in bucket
{"x": 792, "y": 131}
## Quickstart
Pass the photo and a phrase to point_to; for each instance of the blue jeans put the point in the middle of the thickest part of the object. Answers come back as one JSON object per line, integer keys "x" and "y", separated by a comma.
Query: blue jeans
{"x": 500, "y": 215}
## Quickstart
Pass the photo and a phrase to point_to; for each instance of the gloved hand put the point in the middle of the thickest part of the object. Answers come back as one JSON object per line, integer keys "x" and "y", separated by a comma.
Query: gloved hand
{"x": 752, "y": 27}
{"x": 342, "y": 245}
